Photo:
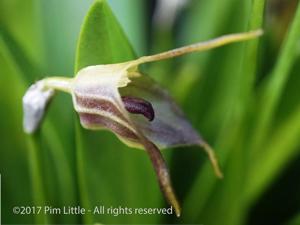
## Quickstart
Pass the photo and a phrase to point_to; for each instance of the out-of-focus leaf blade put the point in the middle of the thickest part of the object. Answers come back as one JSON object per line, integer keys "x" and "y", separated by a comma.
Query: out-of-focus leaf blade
{"x": 19, "y": 18}
{"x": 231, "y": 107}
{"x": 46, "y": 154}
{"x": 12, "y": 152}
{"x": 282, "y": 146}
{"x": 61, "y": 26}
{"x": 204, "y": 20}
{"x": 270, "y": 95}
{"x": 274, "y": 84}
{"x": 294, "y": 221}
{"x": 132, "y": 15}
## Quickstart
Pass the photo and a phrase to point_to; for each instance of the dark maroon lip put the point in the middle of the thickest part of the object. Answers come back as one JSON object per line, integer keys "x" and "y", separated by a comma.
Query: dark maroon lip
{"x": 139, "y": 106}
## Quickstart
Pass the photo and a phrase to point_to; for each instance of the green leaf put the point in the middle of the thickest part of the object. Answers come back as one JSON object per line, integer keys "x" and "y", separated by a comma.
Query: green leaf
{"x": 226, "y": 116}
{"x": 22, "y": 20}
{"x": 12, "y": 155}
{"x": 45, "y": 153}
{"x": 110, "y": 173}
{"x": 294, "y": 221}
{"x": 273, "y": 87}
{"x": 281, "y": 147}
{"x": 101, "y": 40}
{"x": 270, "y": 95}
{"x": 204, "y": 20}
{"x": 60, "y": 33}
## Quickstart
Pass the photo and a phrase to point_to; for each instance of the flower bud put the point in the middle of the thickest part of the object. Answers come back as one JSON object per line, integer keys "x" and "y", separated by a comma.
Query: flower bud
{"x": 35, "y": 102}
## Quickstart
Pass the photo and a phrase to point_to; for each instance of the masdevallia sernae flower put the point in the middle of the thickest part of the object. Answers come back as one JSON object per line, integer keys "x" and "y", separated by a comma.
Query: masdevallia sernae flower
{"x": 118, "y": 97}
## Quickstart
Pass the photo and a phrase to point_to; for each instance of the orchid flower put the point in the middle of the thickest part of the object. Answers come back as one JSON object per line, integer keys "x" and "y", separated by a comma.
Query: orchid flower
{"x": 118, "y": 97}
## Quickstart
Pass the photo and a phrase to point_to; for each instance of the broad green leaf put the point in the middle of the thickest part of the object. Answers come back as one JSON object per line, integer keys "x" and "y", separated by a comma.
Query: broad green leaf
{"x": 101, "y": 41}
{"x": 110, "y": 173}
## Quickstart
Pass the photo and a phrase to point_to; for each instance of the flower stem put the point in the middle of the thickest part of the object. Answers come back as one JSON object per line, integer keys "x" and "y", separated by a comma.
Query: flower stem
{"x": 59, "y": 83}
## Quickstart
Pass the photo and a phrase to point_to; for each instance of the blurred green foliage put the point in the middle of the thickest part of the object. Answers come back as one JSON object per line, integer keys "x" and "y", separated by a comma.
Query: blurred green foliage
{"x": 244, "y": 98}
